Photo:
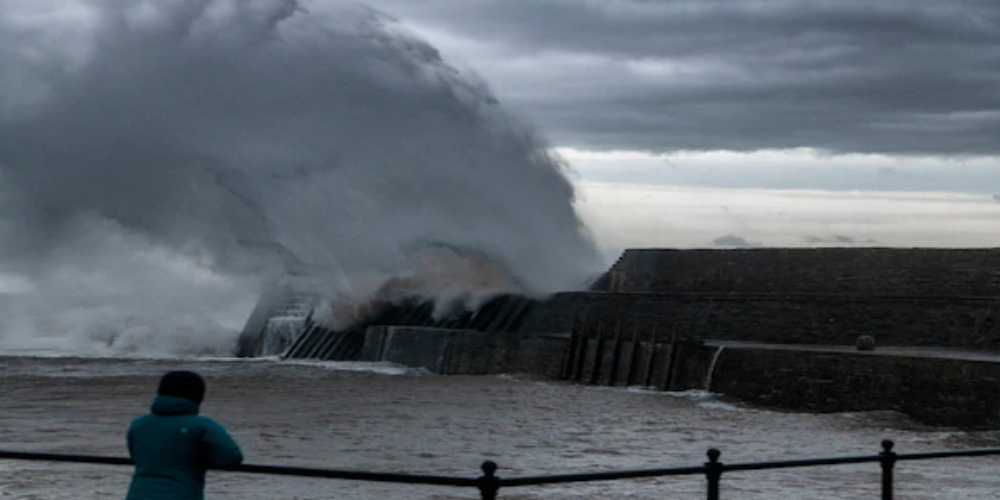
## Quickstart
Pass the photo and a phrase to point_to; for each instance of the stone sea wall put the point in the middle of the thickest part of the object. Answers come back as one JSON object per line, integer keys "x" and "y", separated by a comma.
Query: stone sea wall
{"x": 788, "y": 318}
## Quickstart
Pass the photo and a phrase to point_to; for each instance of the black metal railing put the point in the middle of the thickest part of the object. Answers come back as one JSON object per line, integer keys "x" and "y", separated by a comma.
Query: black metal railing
{"x": 489, "y": 484}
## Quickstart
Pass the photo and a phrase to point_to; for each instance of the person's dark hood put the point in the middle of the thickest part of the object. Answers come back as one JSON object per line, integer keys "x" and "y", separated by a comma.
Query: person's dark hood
{"x": 173, "y": 405}
{"x": 183, "y": 384}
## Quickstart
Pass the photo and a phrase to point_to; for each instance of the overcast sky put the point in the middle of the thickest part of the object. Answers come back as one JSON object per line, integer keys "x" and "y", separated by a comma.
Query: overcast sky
{"x": 844, "y": 95}
{"x": 783, "y": 105}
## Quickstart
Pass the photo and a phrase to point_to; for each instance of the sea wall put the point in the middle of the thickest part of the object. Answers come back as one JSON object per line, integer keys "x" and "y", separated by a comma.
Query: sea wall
{"x": 934, "y": 390}
{"x": 801, "y": 310}
{"x": 972, "y": 323}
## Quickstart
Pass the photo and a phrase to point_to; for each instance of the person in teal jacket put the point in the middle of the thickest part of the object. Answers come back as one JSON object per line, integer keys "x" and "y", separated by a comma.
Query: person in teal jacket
{"x": 173, "y": 446}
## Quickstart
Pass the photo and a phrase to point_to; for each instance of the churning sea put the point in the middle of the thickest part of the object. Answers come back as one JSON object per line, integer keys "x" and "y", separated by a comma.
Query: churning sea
{"x": 379, "y": 417}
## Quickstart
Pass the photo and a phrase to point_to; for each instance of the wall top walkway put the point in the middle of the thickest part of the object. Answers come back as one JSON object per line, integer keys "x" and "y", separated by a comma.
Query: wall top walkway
{"x": 875, "y": 271}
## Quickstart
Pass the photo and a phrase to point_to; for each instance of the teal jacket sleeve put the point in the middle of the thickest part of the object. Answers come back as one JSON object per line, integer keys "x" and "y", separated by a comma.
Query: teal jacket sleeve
{"x": 130, "y": 438}
{"x": 220, "y": 448}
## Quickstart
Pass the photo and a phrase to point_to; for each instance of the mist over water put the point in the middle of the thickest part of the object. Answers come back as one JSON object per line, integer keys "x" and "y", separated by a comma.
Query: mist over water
{"x": 161, "y": 161}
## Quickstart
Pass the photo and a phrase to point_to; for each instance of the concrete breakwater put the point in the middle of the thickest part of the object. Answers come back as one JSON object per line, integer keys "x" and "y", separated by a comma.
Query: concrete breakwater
{"x": 787, "y": 318}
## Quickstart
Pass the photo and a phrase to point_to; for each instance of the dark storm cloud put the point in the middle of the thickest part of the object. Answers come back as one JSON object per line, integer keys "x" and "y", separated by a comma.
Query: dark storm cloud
{"x": 896, "y": 77}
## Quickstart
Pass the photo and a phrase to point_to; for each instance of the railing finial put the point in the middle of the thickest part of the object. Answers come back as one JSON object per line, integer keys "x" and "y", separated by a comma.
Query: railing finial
{"x": 887, "y": 445}
{"x": 489, "y": 468}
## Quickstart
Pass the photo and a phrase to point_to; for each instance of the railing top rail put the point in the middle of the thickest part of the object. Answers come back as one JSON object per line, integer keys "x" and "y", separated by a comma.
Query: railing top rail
{"x": 745, "y": 466}
{"x": 64, "y": 457}
{"x": 524, "y": 480}
{"x": 600, "y": 476}
{"x": 788, "y": 464}
{"x": 388, "y": 477}
{"x": 384, "y": 477}
{"x": 975, "y": 452}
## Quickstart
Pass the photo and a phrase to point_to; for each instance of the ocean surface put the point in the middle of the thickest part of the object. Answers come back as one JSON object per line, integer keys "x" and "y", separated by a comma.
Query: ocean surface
{"x": 387, "y": 418}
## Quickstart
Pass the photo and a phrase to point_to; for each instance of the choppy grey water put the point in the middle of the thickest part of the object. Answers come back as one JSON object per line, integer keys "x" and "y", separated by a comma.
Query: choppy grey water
{"x": 386, "y": 418}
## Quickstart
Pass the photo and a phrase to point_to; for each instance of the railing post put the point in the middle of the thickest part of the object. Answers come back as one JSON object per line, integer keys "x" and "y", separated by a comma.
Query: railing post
{"x": 489, "y": 483}
{"x": 713, "y": 472}
{"x": 888, "y": 461}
